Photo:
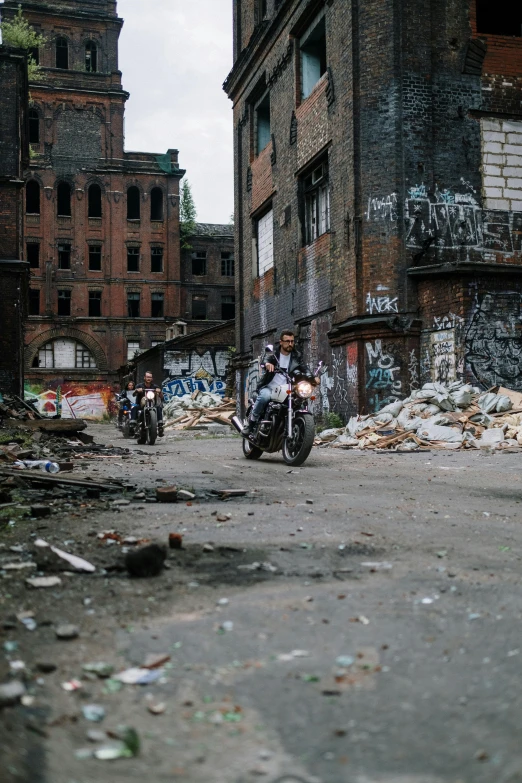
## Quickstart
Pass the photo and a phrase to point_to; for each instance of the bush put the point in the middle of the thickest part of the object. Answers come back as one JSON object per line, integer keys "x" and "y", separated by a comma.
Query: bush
{"x": 330, "y": 421}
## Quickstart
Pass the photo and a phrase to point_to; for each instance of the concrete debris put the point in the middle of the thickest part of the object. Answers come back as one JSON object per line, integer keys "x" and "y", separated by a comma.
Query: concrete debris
{"x": 146, "y": 561}
{"x": 436, "y": 416}
{"x": 198, "y": 408}
{"x": 72, "y": 560}
{"x": 11, "y": 693}
{"x": 43, "y": 581}
{"x": 67, "y": 631}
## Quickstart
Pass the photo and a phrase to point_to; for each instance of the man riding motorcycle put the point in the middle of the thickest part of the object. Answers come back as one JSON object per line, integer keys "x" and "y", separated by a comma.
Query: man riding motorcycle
{"x": 141, "y": 388}
{"x": 288, "y": 358}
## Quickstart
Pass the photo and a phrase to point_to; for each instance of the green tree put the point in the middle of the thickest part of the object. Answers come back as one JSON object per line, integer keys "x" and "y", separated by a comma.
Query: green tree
{"x": 187, "y": 215}
{"x": 19, "y": 33}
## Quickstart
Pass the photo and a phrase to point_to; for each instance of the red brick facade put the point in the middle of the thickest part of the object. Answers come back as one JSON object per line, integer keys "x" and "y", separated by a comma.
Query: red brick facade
{"x": 105, "y": 260}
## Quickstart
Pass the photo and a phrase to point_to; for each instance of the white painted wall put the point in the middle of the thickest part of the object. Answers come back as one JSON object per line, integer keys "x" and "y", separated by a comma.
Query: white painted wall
{"x": 502, "y": 164}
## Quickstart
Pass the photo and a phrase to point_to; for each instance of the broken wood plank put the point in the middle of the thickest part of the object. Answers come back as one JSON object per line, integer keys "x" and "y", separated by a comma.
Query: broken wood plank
{"x": 43, "y": 478}
{"x": 49, "y": 425}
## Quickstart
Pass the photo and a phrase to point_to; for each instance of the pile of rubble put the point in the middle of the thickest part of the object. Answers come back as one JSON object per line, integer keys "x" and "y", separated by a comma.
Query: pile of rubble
{"x": 437, "y": 416}
{"x": 197, "y": 408}
{"x": 13, "y": 407}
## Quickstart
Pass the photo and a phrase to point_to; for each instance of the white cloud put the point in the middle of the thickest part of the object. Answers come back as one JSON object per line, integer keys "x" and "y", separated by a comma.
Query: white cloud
{"x": 174, "y": 56}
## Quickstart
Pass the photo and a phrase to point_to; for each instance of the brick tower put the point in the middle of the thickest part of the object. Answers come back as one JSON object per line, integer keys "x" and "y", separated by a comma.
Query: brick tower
{"x": 101, "y": 226}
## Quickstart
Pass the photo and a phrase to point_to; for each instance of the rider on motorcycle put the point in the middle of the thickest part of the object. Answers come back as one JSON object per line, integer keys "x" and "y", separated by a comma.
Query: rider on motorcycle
{"x": 288, "y": 358}
{"x": 141, "y": 388}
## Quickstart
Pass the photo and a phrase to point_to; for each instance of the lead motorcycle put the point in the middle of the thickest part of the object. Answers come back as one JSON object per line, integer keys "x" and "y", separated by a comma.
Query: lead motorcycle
{"x": 147, "y": 423}
{"x": 287, "y": 424}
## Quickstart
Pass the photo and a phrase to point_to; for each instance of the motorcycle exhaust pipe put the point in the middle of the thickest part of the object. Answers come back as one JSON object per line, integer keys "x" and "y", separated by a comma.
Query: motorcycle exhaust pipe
{"x": 237, "y": 423}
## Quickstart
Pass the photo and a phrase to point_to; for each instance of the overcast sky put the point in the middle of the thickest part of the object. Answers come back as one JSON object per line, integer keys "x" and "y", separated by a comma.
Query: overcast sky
{"x": 174, "y": 56}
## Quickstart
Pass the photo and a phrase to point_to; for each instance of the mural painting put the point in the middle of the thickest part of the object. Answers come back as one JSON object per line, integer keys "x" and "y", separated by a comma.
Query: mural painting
{"x": 70, "y": 400}
{"x": 188, "y": 371}
{"x": 493, "y": 341}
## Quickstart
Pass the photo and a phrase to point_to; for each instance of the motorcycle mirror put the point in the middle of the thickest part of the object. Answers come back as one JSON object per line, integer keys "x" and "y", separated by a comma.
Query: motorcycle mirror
{"x": 269, "y": 347}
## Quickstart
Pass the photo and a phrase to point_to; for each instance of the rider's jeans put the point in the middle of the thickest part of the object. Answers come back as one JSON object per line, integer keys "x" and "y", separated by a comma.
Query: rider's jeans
{"x": 135, "y": 410}
{"x": 263, "y": 398}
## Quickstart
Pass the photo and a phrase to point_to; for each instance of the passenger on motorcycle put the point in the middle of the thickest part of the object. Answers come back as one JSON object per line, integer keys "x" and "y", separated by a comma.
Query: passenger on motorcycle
{"x": 141, "y": 388}
{"x": 288, "y": 358}
{"x": 127, "y": 393}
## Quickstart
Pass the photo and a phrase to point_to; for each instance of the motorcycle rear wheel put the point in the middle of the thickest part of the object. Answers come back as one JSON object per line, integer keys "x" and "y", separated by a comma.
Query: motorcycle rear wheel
{"x": 297, "y": 448}
{"x": 125, "y": 427}
{"x": 153, "y": 427}
{"x": 250, "y": 451}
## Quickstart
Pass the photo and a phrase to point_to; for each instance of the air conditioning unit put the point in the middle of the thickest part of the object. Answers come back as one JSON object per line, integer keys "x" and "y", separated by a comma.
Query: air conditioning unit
{"x": 177, "y": 329}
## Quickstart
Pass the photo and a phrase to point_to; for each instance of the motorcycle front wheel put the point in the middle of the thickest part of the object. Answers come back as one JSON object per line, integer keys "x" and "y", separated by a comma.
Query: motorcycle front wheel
{"x": 153, "y": 427}
{"x": 125, "y": 427}
{"x": 297, "y": 448}
{"x": 250, "y": 451}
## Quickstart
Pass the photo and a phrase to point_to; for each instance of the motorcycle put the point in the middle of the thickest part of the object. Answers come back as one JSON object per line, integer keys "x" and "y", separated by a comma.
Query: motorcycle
{"x": 288, "y": 424}
{"x": 147, "y": 423}
{"x": 124, "y": 414}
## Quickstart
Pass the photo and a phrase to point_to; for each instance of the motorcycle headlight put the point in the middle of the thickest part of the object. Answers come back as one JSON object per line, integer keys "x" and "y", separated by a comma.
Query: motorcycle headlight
{"x": 150, "y": 395}
{"x": 304, "y": 389}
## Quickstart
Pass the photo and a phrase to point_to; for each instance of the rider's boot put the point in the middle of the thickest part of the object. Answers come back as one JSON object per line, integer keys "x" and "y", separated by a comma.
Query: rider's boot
{"x": 249, "y": 428}
{"x": 161, "y": 433}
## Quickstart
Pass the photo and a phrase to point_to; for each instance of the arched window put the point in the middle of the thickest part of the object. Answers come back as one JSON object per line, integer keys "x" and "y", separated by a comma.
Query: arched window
{"x": 64, "y": 199}
{"x": 62, "y": 53}
{"x": 91, "y": 57}
{"x": 32, "y": 197}
{"x": 133, "y": 203}
{"x": 156, "y": 204}
{"x": 64, "y": 353}
{"x": 95, "y": 201}
{"x": 34, "y": 127}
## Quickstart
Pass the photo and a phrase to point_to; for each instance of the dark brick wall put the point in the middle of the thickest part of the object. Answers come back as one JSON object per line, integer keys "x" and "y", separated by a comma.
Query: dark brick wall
{"x": 401, "y": 117}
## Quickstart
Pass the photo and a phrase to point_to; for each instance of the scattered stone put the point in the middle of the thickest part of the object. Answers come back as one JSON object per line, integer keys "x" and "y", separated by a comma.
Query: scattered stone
{"x": 208, "y": 548}
{"x": 184, "y": 494}
{"x": 11, "y": 693}
{"x": 67, "y": 631}
{"x": 157, "y": 709}
{"x": 95, "y": 735}
{"x": 146, "y": 561}
{"x": 167, "y": 494}
{"x": 121, "y": 502}
{"x": 223, "y": 517}
{"x": 175, "y": 541}
{"x": 222, "y": 602}
{"x": 46, "y": 667}
{"x": 43, "y": 581}
{"x": 38, "y": 511}
{"x": 93, "y": 712}
{"x": 99, "y": 668}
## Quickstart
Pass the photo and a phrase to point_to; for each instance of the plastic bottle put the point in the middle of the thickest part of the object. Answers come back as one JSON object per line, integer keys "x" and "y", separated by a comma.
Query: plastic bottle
{"x": 42, "y": 464}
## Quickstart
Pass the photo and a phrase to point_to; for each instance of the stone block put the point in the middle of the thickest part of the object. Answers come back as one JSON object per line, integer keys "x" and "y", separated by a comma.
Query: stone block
{"x": 494, "y": 182}
{"x": 492, "y": 171}
{"x": 512, "y": 171}
{"x": 491, "y": 125}
{"x": 493, "y": 136}
{"x": 512, "y": 149}
{"x": 514, "y": 138}
{"x": 497, "y": 203}
{"x": 492, "y": 146}
{"x": 494, "y": 192}
{"x": 513, "y": 194}
{"x": 511, "y": 127}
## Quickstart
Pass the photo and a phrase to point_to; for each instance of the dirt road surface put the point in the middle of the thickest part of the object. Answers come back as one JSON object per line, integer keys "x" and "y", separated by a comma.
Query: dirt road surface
{"x": 355, "y": 620}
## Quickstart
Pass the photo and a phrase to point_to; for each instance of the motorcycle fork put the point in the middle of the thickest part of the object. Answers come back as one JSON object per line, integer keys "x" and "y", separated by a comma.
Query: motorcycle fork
{"x": 290, "y": 416}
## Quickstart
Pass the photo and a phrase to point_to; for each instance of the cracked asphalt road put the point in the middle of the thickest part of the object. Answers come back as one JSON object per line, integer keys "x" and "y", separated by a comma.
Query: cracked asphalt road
{"x": 377, "y": 641}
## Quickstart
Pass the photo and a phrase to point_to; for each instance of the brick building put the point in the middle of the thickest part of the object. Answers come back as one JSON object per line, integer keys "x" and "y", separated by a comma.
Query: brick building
{"x": 14, "y": 156}
{"x": 378, "y": 180}
{"x": 208, "y": 277}
{"x": 101, "y": 225}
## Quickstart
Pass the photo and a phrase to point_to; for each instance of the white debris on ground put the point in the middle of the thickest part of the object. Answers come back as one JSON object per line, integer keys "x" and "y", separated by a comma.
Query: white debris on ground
{"x": 437, "y": 416}
{"x": 197, "y": 408}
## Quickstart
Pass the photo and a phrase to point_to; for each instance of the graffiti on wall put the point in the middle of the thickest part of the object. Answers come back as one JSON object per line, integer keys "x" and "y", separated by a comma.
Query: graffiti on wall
{"x": 383, "y": 376}
{"x": 71, "y": 401}
{"x": 442, "y": 345}
{"x": 493, "y": 340}
{"x": 189, "y": 371}
{"x": 383, "y": 208}
{"x": 452, "y": 220}
{"x": 381, "y": 304}
{"x": 413, "y": 370}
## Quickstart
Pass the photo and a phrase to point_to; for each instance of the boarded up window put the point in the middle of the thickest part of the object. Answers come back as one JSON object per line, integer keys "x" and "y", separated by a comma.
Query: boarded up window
{"x": 265, "y": 243}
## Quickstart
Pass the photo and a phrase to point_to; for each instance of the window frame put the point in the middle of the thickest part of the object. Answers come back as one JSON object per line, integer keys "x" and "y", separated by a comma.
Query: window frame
{"x": 90, "y": 48}
{"x": 257, "y": 222}
{"x": 64, "y": 255}
{"x": 133, "y": 296}
{"x": 137, "y": 255}
{"x": 263, "y": 123}
{"x": 227, "y": 264}
{"x": 64, "y": 295}
{"x": 136, "y": 349}
{"x": 94, "y": 202}
{"x": 224, "y": 303}
{"x": 95, "y": 297}
{"x": 33, "y": 120}
{"x": 156, "y": 252}
{"x": 133, "y": 207}
{"x": 28, "y": 254}
{"x": 61, "y": 201}
{"x": 316, "y": 201}
{"x": 203, "y": 298}
{"x": 33, "y": 184}
{"x": 308, "y": 83}
{"x": 157, "y": 200}
{"x": 60, "y": 39}
{"x": 157, "y": 297}
{"x": 33, "y": 296}
{"x": 92, "y": 253}
{"x": 200, "y": 256}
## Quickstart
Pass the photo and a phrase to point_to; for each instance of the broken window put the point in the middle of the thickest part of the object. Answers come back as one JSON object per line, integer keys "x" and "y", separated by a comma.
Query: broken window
{"x": 264, "y": 237}
{"x": 34, "y": 52}
{"x": 94, "y": 201}
{"x": 95, "y": 304}
{"x": 156, "y": 259}
{"x": 199, "y": 263}
{"x": 91, "y": 57}
{"x": 312, "y": 47}
{"x": 34, "y": 126}
{"x": 501, "y": 18}
{"x": 64, "y": 199}
{"x": 317, "y": 203}
{"x": 133, "y": 259}
{"x": 228, "y": 307}
{"x": 133, "y": 203}
{"x": 227, "y": 265}
{"x": 32, "y": 197}
{"x": 64, "y": 353}
{"x": 62, "y": 53}
{"x": 199, "y": 307}
{"x": 64, "y": 302}
{"x": 95, "y": 254}
{"x": 64, "y": 256}
{"x": 83, "y": 357}
{"x": 156, "y": 204}
{"x": 34, "y": 301}
{"x": 133, "y": 348}
{"x": 263, "y": 123}
{"x": 156, "y": 305}
{"x": 133, "y": 305}
{"x": 33, "y": 254}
